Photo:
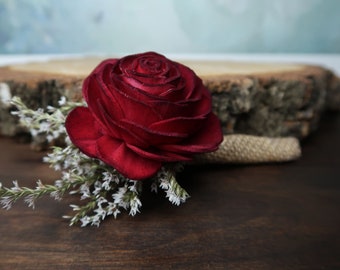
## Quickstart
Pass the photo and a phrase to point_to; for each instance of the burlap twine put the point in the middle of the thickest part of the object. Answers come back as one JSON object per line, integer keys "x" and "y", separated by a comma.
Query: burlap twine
{"x": 239, "y": 148}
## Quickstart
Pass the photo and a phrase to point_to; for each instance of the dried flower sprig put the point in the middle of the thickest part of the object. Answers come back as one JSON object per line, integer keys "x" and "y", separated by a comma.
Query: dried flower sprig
{"x": 102, "y": 189}
{"x": 166, "y": 180}
{"x": 49, "y": 123}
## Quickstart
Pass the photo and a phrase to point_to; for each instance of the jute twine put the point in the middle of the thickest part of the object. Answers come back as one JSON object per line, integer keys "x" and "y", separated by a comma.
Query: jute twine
{"x": 239, "y": 148}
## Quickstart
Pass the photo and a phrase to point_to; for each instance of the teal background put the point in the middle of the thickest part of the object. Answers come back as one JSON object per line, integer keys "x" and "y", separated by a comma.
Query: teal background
{"x": 170, "y": 26}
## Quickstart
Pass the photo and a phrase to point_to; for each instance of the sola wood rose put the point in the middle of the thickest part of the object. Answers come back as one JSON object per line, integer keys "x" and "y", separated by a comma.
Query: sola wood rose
{"x": 143, "y": 110}
{"x": 144, "y": 115}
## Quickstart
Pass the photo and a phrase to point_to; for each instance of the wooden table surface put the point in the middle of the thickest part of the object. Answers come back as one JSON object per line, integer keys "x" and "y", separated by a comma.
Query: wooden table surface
{"x": 283, "y": 216}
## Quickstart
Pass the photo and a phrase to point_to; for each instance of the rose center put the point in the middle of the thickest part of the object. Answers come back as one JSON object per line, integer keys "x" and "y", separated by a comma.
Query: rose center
{"x": 151, "y": 65}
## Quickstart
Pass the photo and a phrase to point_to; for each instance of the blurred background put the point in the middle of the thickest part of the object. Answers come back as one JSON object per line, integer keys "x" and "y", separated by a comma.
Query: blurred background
{"x": 169, "y": 26}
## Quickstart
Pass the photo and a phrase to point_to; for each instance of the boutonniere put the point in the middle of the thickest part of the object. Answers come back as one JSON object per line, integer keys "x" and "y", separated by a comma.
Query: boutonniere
{"x": 142, "y": 118}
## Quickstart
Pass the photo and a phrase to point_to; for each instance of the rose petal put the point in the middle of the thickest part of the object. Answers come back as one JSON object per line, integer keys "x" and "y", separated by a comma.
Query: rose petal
{"x": 170, "y": 75}
{"x": 152, "y": 136}
{"x": 100, "y": 96}
{"x": 118, "y": 130}
{"x": 135, "y": 105}
{"x": 107, "y": 65}
{"x": 202, "y": 106}
{"x": 181, "y": 125}
{"x": 117, "y": 103}
{"x": 83, "y": 130}
{"x": 184, "y": 108}
{"x": 149, "y": 64}
{"x": 191, "y": 80}
{"x": 156, "y": 90}
{"x": 175, "y": 93}
{"x": 158, "y": 154}
{"x": 128, "y": 163}
{"x": 145, "y": 63}
{"x": 205, "y": 141}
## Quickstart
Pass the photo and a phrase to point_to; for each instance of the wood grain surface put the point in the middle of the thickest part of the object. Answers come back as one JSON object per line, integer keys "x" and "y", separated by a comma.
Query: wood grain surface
{"x": 274, "y": 216}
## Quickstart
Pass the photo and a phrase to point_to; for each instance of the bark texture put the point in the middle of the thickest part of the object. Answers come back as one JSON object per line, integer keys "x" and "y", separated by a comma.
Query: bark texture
{"x": 265, "y": 100}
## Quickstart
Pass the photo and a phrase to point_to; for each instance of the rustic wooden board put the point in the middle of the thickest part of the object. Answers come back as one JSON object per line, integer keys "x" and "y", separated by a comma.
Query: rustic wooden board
{"x": 250, "y": 98}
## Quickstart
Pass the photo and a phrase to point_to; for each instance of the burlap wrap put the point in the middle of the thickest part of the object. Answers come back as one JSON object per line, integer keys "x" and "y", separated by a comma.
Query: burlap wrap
{"x": 239, "y": 148}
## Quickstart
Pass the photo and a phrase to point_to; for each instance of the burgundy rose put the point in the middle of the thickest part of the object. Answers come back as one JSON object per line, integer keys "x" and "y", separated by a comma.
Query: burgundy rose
{"x": 143, "y": 110}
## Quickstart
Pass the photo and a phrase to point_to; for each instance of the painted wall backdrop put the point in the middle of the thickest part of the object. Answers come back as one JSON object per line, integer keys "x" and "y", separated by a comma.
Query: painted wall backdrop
{"x": 170, "y": 26}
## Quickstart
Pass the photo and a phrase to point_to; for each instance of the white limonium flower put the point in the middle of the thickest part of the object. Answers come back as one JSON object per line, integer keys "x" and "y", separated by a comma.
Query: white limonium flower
{"x": 101, "y": 189}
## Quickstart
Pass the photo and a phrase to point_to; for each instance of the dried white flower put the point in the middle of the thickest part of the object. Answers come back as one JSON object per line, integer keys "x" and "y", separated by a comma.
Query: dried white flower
{"x": 102, "y": 190}
{"x": 62, "y": 101}
{"x": 7, "y": 202}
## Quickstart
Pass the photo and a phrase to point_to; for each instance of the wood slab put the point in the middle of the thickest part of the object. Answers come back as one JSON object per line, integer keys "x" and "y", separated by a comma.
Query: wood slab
{"x": 263, "y": 99}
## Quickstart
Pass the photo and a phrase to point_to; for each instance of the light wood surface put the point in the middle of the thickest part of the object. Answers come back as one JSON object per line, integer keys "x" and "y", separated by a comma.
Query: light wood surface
{"x": 83, "y": 66}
